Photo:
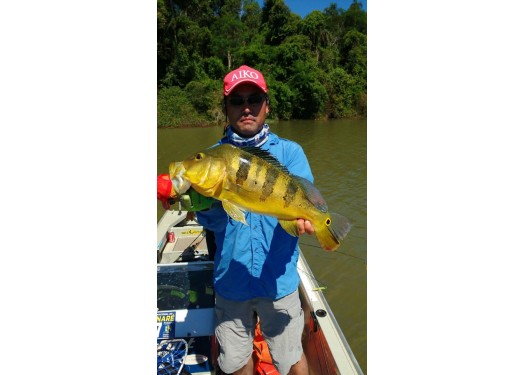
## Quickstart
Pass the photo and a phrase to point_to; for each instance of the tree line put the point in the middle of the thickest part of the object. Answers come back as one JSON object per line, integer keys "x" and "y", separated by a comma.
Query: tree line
{"x": 315, "y": 67}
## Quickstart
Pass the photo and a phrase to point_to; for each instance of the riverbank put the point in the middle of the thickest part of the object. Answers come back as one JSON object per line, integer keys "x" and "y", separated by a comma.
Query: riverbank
{"x": 269, "y": 121}
{"x": 188, "y": 126}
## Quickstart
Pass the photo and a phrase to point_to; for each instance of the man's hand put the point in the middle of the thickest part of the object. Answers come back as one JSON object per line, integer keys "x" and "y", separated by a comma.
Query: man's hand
{"x": 304, "y": 226}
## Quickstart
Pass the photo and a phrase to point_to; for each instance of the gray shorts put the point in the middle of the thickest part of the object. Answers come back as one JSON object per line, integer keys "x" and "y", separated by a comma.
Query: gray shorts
{"x": 282, "y": 324}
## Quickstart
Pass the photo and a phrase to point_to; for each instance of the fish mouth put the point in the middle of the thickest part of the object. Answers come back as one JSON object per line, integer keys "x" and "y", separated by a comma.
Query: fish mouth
{"x": 180, "y": 184}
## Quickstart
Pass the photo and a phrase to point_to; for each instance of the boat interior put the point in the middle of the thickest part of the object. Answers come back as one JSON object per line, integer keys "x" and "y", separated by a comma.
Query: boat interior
{"x": 185, "y": 307}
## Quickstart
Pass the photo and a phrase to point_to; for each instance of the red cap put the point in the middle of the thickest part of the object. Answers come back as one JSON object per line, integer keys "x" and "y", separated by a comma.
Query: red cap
{"x": 243, "y": 74}
{"x": 164, "y": 186}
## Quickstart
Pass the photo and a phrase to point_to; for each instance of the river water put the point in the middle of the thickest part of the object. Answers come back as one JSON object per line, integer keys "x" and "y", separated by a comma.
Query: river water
{"x": 336, "y": 151}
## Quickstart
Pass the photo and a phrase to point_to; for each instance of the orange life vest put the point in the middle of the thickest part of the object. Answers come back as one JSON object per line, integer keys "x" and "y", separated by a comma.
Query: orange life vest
{"x": 262, "y": 359}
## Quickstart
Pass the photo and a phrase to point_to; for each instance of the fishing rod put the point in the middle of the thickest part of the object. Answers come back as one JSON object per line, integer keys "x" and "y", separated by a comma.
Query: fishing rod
{"x": 311, "y": 276}
{"x": 336, "y": 251}
{"x": 322, "y": 285}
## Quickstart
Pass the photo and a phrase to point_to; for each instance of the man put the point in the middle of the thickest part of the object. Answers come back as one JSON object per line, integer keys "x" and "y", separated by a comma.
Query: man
{"x": 255, "y": 264}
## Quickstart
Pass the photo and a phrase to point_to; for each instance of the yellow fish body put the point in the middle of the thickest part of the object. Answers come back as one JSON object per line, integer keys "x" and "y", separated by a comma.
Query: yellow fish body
{"x": 252, "y": 179}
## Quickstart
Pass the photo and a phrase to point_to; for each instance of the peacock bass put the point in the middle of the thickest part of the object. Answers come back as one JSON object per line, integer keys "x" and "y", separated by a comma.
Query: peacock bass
{"x": 252, "y": 179}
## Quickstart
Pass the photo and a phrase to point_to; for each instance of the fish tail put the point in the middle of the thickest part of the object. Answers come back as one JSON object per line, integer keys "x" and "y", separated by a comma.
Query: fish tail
{"x": 331, "y": 230}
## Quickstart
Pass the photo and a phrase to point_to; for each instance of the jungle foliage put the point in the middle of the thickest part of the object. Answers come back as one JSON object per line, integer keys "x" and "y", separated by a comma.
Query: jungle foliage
{"x": 315, "y": 67}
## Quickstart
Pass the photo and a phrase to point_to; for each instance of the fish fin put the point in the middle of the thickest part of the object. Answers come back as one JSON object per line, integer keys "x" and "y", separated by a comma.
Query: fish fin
{"x": 312, "y": 194}
{"x": 332, "y": 230}
{"x": 266, "y": 156}
{"x": 233, "y": 211}
{"x": 290, "y": 226}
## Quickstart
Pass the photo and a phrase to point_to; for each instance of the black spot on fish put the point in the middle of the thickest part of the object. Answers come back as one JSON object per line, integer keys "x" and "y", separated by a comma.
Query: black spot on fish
{"x": 258, "y": 169}
{"x": 271, "y": 178}
{"x": 244, "y": 168}
{"x": 289, "y": 195}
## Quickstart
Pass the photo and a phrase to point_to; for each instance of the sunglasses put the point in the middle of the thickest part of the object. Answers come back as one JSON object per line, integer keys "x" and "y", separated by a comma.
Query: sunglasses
{"x": 251, "y": 100}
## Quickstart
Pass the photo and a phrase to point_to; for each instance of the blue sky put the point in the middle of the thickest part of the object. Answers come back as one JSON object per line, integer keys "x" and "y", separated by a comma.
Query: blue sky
{"x": 304, "y": 7}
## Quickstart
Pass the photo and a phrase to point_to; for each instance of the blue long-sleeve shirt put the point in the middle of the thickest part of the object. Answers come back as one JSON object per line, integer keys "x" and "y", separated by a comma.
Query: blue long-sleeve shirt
{"x": 258, "y": 259}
